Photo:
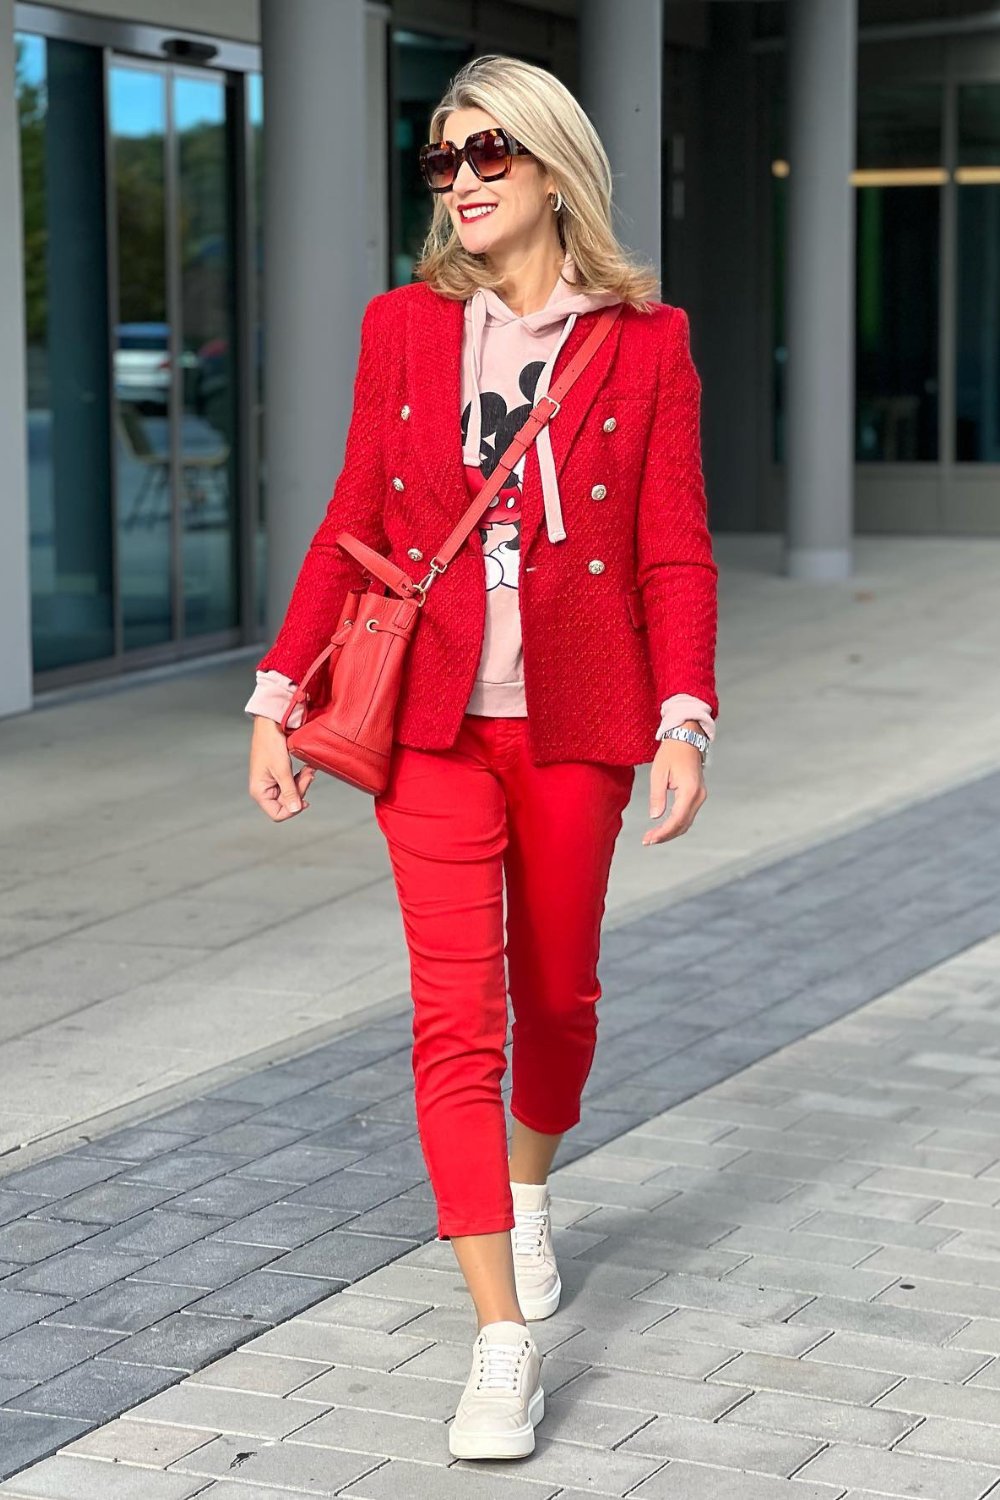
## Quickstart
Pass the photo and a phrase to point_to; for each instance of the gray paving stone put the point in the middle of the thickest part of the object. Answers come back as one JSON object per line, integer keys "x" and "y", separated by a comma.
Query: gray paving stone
{"x": 899, "y": 1473}
{"x": 283, "y": 1225}
{"x": 935, "y": 1398}
{"x": 137, "y": 1143}
{"x": 868, "y": 1352}
{"x": 943, "y": 1437}
{"x": 95, "y": 1390}
{"x": 182, "y": 1169}
{"x": 59, "y": 1177}
{"x": 327, "y": 1344}
{"x": 685, "y": 1481}
{"x": 825, "y": 1420}
{"x": 812, "y": 1277}
{"x": 421, "y": 1482}
{"x": 407, "y": 1218}
{"x": 768, "y": 1452}
{"x": 65, "y": 1478}
{"x": 124, "y": 1307}
{"x": 371, "y": 1390}
{"x": 312, "y": 1111}
{"x": 44, "y": 1350}
{"x": 806, "y": 1378}
{"x": 236, "y": 1413}
{"x": 912, "y": 1325}
{"x": 264, "y": 1296}
{"x": 27, "y": 1241}
{"x": 646, "y": 1392}
{"x": 229, "y": 1198}
{"x": 571, "y": 1419}
{"x": 943, "y": 1296}
{"x": 75, "y": 1273}
{"x": 300, "y": 1164}
{"x": 729, "y": 1297}
{"x": 203, "y": 1116}
{"x": 294, "y": 1468}
{"x": 207, "y": 1263}
{"x": 25, "y": 1438}
{"x": 274, "y": 1376}
{"x": 129, "y": 1442}
{"x": 378, "y": 1434}
{"x": 184, "y": 1340}
{"x": 733, "y": 1334}
{"x": 360, "y": 1133}
{"x": 160, "y": 1231}
{"x": 654, "y": 1350}
{"x": 248, "y": 1139}
{"x": 16, "y": 1205}
{"x": 588, "y": 1470}
{"x": 341, "y": 1255}
{"x": 352, "y": 1190}
{"x": 107, "y": 1203}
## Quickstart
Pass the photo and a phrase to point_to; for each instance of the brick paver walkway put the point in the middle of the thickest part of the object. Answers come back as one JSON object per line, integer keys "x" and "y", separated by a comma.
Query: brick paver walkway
{"x": 785, "y": 1285}
{"x": 784, "y": 1288}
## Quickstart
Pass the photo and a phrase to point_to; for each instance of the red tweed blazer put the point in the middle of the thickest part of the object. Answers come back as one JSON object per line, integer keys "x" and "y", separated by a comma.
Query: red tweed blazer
{"x": 602, "y": 646}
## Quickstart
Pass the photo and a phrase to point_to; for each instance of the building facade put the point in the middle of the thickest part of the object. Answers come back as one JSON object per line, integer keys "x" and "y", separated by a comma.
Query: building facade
{"x": 819, "y": 182}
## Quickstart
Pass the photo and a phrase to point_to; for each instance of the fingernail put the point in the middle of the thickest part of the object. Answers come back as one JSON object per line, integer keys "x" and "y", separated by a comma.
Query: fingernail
{"x": 293, "y": 807}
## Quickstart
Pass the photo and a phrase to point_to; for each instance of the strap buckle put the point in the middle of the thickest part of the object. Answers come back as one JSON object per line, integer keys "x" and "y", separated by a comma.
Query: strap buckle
{"x": 425, "y": 583}
{"x": 555, "y": 403}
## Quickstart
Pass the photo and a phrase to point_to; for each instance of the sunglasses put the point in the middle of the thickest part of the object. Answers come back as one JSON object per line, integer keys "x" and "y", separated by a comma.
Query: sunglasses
{"x": 488, "y": 152}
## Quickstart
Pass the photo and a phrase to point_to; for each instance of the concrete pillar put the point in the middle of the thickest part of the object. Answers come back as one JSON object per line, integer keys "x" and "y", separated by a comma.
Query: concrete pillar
{"x": 316, "y": 160}
{"x": 621, "y": 88}
{"x": 15, "y": 585}
{"x": 822, "y": 64}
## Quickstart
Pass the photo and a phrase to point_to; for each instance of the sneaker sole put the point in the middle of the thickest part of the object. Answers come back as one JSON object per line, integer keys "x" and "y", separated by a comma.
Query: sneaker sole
{"x": 536, "y": 1308}
{"x": 517, "y": 1444}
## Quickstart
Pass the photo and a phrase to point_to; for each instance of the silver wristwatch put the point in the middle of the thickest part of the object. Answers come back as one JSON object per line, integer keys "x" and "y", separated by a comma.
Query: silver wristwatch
{"x": 691, "y": 737}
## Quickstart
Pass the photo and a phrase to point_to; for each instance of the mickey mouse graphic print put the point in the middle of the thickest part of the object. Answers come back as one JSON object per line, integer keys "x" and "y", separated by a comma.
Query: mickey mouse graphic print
{"x": 507, "y": 364}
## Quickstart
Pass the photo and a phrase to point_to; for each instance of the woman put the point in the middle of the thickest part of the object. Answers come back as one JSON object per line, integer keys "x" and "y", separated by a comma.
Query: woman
{"x": 549, "y": 661}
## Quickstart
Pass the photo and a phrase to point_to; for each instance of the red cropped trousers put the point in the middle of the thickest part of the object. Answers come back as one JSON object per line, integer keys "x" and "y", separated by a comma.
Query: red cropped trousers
{"x": 459, "y": 824}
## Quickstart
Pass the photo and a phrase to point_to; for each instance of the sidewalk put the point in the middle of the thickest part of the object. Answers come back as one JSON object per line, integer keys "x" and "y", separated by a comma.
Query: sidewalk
{"x": 152, "y": 915}
{"x": 784, "y": 1289}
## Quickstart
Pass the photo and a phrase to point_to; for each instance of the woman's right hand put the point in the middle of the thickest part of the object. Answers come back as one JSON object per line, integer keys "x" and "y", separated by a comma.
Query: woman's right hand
{"x": 272, "y": 785}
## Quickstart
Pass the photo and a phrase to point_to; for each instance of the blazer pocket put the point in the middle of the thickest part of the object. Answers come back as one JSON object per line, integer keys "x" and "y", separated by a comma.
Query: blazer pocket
{"x": 636, "y": 608}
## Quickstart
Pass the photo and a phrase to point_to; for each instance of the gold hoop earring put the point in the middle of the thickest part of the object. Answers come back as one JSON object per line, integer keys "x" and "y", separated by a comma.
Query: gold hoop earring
{"x": 557, "y": 202}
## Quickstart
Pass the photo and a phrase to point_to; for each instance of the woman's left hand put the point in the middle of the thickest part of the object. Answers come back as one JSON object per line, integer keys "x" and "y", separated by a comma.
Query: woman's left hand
{"x": 676, "y": 767}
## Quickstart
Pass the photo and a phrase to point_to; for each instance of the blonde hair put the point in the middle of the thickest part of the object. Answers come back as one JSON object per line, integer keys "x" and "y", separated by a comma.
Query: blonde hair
{"x": 543, "y": 115}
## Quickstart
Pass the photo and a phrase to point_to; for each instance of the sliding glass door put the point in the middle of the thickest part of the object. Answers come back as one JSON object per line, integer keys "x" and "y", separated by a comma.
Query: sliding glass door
{"x": 175, "y": 408}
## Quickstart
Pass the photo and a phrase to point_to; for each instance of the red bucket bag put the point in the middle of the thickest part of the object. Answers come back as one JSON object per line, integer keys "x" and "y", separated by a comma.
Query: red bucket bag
{"x": 350, "y": 691}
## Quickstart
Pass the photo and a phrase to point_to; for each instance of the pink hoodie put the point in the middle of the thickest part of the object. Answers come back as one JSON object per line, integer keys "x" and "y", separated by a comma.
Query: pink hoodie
{"x": 507, "y": 363}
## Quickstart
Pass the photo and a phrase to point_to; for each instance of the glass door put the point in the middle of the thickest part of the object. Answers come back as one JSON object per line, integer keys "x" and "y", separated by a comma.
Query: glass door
{"x": 172, "y": 197}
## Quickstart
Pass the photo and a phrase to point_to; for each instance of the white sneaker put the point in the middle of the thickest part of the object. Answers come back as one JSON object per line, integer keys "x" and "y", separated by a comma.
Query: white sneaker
{"x": 503, "y": 1397}
{"x": 536, "y": 1275}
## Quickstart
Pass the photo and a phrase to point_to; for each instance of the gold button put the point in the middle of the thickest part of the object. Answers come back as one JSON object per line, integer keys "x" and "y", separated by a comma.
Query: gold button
{"x": 404, "y": 412}
{"x": 598, "y": 492}
{"x": 596, "y": 566}
{"x": 415, "y": 553}
{"x": 610, "y": 424}
{"x": 397, "y": 483}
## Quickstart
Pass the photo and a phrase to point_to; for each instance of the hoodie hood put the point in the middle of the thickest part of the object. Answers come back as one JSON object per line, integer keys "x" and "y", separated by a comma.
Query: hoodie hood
{"x": 485, "y": 310}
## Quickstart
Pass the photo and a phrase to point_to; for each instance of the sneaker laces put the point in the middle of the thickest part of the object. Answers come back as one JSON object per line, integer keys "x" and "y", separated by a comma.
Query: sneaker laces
{"x": 529, "y": 1230}
{"x": 499, "y": 1365}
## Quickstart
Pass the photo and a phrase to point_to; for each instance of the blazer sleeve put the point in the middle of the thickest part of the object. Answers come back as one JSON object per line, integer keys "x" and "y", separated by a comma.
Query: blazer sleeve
{"x": 675, "y": 568}
{"x": 356, "y": 505}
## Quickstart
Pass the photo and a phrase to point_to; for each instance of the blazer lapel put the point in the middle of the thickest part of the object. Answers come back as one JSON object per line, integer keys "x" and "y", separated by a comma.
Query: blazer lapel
{"x": 433, "y": 363}
{"x": 566, "y": 423}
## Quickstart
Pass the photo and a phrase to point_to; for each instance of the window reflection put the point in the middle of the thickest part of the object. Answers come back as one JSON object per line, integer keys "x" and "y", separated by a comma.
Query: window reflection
{"x": 59, "y": 89}
{"x": 898, "y": 224}
{"x": 208, "y": 417}
{"x": 143, "y": 380}
{"x": 421, "y": 69}
{"x": 977, "y": 351}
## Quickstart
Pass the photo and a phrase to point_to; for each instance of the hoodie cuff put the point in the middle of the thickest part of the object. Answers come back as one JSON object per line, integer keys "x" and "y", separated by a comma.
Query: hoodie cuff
{"x": 681, "y": 706}
{"x": 271, "y": 697}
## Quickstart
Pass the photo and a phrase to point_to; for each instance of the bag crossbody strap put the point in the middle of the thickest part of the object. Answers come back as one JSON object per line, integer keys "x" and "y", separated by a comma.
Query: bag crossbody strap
{"x": 542, "y": 412}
